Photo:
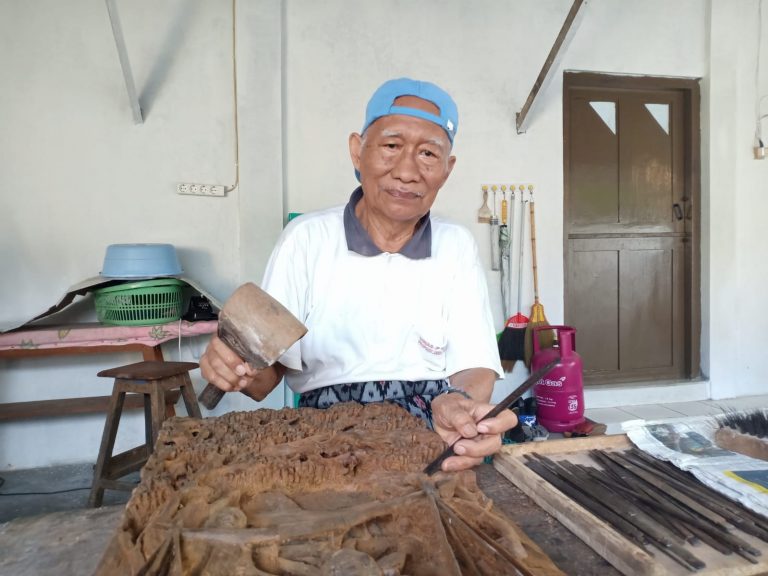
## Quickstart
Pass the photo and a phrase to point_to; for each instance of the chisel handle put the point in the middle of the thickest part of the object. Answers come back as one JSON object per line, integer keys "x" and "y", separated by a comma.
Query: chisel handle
{"x": 211, "y": 396}
{"x": 507, "y": 402}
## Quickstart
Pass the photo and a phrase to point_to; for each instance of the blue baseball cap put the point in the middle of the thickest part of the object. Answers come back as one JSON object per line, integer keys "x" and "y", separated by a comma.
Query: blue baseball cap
{"x": 382, "y": 103}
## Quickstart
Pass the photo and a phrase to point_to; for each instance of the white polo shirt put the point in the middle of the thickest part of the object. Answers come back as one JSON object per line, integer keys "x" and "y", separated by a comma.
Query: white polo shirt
{"x": 381, "y": 317}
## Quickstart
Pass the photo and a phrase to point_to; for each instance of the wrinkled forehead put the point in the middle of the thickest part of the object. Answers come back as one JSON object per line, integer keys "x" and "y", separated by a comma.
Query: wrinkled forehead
{"x": 411, "y": 129}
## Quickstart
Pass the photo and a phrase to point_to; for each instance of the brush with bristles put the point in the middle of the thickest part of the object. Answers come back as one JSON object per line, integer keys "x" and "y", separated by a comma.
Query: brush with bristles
{"x": 754, "y": 422}
{"x": 744, "y": 432}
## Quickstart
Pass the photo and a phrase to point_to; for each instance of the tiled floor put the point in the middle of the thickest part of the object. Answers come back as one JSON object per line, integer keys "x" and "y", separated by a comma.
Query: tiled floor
{"x": 613, "y": 417}
{"x": 51, "y": 489}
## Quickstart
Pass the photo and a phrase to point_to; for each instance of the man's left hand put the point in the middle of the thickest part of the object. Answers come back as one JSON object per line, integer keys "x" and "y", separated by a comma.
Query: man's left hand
{"x": 457, "y": 418}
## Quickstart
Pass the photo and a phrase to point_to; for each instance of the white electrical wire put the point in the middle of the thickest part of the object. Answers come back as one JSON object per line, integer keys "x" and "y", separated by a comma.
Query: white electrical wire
{"x": 759, "y": 100}
{"x": 234, "y": 94}
{"x": 758, "y": 128}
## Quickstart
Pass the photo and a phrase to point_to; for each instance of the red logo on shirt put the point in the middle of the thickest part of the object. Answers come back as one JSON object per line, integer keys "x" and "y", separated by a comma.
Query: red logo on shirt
{"x": 431, "y": 348}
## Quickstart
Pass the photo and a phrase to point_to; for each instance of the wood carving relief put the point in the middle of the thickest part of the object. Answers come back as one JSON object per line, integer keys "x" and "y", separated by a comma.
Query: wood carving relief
{"x": 311, "y": 492}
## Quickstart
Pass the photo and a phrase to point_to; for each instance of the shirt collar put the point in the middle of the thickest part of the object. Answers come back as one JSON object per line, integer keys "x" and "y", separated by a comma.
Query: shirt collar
{"x": 359, "y": 241}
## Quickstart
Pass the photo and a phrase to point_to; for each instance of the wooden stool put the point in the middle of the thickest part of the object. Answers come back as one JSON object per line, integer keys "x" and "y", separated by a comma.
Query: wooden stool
{"x": 152, "y": 379}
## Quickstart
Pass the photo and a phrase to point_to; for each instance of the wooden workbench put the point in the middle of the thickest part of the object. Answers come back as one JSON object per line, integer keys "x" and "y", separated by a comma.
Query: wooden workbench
{"x": 570, "y": 554}
{"x": 625, "y": 556}
{"x": 73, "y": 541}
{"x": 89, "y": 338}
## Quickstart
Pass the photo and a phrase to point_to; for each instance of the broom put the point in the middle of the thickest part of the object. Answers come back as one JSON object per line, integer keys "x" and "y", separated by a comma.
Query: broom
{"x": 512, "y": 339}
{"x": 546, "y": 337}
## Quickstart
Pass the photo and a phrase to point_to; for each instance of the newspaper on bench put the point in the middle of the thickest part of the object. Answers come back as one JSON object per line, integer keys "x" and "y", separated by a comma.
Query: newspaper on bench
{"x": 689, "y": 444}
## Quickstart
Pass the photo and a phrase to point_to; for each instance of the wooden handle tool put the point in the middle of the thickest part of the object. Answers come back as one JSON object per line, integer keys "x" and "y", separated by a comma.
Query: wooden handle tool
{"x": 434, "y": 466}
{"x": 256, "y": 327}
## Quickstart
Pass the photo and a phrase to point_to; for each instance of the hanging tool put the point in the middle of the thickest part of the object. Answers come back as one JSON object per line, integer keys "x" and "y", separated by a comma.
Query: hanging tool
{"x": 495, "y": 255}
{"x": 546, "y": 337}
{"x": 504, "y": 251}
{"x": 484, "y": 214}
{"x": 503, "y": 204}
{"x": 434, "y": 466}
{"x": 512, "y": 339}
{"x": 257, "y": 328}
{"x": 508, "y": 280}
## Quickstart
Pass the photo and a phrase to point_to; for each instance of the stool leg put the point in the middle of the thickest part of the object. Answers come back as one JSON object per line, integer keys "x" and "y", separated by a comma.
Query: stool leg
{"x": 169, "y": 384}
{"x": 114, "y": 411}
{"x": 157, "y": 396}
{"x": 190, "y": 400}
{"x": 148, "y": 418}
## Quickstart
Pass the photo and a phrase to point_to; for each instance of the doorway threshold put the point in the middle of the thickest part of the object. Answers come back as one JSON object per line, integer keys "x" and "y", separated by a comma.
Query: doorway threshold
{"x": 640, "y": 393}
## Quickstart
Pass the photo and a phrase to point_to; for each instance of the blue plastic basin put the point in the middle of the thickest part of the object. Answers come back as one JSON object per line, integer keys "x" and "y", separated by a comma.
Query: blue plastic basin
{"x": 140, "y": 261}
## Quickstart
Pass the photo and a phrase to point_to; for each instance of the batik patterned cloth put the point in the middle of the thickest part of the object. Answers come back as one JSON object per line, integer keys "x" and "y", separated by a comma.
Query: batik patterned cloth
{"x": 415, "y": 397}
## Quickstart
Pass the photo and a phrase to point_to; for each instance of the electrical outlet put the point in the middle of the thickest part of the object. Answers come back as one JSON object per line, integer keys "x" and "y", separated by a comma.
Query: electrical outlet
{"x": 200, "y": 189}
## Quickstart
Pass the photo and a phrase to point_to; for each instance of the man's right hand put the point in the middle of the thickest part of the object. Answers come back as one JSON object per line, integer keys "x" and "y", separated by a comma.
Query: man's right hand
{"x": 223, "y": 368}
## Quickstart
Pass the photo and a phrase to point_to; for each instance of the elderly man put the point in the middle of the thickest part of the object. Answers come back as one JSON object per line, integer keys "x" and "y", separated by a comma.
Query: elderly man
{"x": 394, "y": 299}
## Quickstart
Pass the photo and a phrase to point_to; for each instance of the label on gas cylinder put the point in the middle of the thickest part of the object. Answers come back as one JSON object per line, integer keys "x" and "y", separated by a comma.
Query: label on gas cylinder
{"x": 545, "y": 401}
{"x": 571, "y": 402}
{"x": 559, "y": 383}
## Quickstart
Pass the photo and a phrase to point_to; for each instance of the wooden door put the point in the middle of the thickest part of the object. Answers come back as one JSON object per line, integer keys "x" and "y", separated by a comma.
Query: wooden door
{"x": 629, "y": 223}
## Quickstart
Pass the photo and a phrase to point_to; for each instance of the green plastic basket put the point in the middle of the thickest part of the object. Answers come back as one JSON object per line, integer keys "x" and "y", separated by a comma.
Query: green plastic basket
{"x": 140, "y": 303}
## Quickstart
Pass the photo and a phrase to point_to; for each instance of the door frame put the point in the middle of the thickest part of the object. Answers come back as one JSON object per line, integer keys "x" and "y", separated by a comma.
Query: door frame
{"x": 690, "y": 89}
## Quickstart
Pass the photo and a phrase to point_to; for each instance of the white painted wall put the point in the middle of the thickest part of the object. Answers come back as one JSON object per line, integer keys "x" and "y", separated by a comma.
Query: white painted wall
{"x": 79, "y": 175}
{"x": 738, "y": 199}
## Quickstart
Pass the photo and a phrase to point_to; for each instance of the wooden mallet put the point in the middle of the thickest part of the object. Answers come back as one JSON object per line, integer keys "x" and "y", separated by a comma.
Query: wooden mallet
{"x": 257, "y": 328}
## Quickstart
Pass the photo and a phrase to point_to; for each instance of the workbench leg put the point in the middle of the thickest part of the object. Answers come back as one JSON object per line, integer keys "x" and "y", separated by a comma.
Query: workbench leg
{"x": 155, "y": 353}
{"x": 170, "y": 410}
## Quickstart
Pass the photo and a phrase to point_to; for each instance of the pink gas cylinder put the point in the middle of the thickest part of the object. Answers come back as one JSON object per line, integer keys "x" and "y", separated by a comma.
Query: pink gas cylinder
{"x": 560, "y": 394}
